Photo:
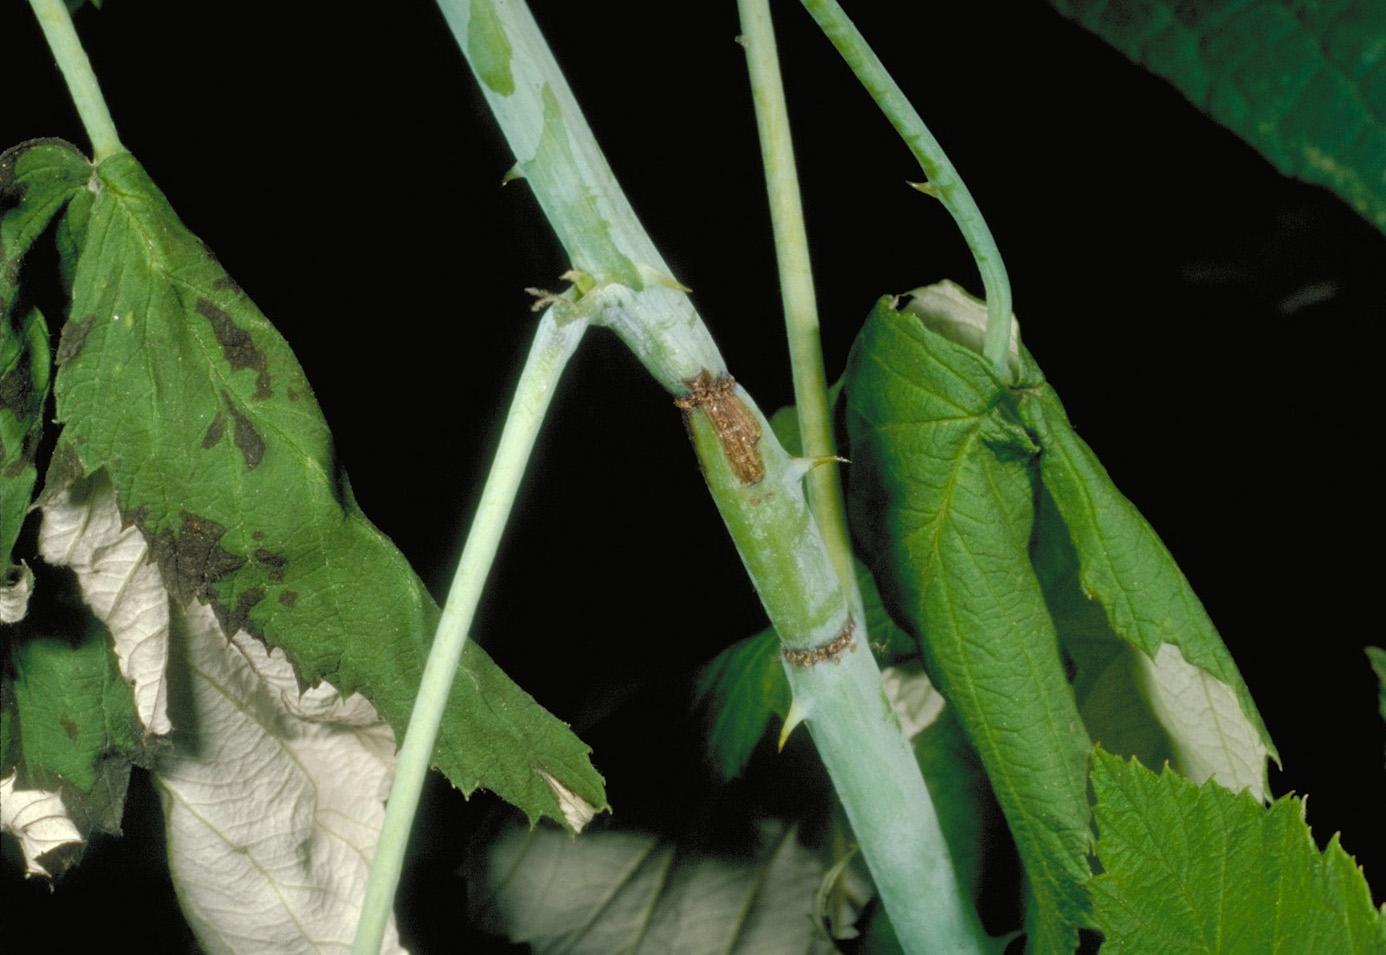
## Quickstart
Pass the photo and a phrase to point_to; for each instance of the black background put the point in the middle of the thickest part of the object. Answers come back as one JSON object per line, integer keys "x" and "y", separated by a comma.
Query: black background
{"x": 341, "y": 163}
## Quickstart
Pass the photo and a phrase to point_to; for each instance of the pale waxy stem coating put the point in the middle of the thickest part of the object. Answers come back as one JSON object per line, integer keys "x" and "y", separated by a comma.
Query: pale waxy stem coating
{"x": 758, "y": 488}
{"x": 56, "y": 23}
{"x": 554, "y": 344}
{"x": 943, "y": 179}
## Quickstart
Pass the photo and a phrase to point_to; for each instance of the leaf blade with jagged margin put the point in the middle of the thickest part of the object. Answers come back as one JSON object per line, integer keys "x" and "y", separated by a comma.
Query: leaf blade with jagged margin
{"x": 1199, "y": 868}
{"x": 174, "y": 382}
{"x": 36, "y": 180}
{"x": 633, "y": 892}
{"x": 1181, "y": 668}
{"x": 941, "y": 497}
{"x": 1304, "y": 83}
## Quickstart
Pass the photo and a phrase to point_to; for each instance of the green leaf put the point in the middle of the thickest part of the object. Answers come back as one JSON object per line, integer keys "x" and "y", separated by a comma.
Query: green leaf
{"x": 1182, "y": 671}
{"x": 635, "y": 893}
{"x": 742, "y": 688}
{"x": 1377, "y": 656}
{"x": 36, "y": 180}
{"x": 1304, "y": 83}
{"x": 73, "y": 709}
{"x": 1191, "y": 868}
{"x": 942, "y": 496}
{"x": 172, "y": 381}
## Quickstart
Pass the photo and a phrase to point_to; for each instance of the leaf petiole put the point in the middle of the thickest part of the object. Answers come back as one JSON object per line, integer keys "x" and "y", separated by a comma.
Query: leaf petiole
{"x": 56, "y": 22}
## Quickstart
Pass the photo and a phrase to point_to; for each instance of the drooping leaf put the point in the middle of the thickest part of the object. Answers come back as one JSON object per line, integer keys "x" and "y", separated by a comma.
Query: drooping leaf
{"x": 942, "y": 496}
{"x": 40, "y": 822}
{"x": 69, "y": 732}
{"x": 74, "y": 709}
{"x": 36, "y": 180}
{"x": 1305, "y": 83}
{"x": 632, "y": 892}
{"x": 1191, "y": 868}
{"x": 1112, "y": 582}
{"x": 82, "y": 529}
{"x": 273, "y": 797}
{"x": 172, "y": 381}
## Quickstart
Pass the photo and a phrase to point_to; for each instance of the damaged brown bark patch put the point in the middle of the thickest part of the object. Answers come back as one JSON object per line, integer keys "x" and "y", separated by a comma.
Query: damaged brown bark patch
{"x": 831, "y": 651}
{"x": 237, "y": 346}
{"x": 737, "y": 429}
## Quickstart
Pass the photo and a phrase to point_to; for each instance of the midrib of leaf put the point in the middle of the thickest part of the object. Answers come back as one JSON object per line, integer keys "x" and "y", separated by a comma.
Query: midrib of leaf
{"x": 597, "y": 910}
{"x": 660, "y": 882}
{"x": 241, "y": 851}
{"x": 754, "y": 892}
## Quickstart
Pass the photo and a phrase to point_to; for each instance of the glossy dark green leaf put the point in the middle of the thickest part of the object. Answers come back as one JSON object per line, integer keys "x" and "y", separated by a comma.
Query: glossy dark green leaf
{"x": 942, "y": 491}
{"x": 1305, "y": 83}
{"x": 172, "y": 381}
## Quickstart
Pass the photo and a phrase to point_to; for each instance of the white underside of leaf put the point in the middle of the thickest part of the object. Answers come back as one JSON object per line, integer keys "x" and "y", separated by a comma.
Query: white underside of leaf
{"x": 917, "y": 703}
{"x": 631, "y": 892}
{"x": 1211, "y": 737}
{"x": 14, "y": 598}
{"x": 38, "y": 819}
{"x": 82, "y": 529}
{"x": 273, "y": 803}
{"x": 576, "y": 810}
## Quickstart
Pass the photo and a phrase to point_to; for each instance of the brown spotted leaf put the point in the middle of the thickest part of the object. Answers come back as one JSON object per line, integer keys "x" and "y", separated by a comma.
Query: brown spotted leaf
{"x": 173, "y": 381}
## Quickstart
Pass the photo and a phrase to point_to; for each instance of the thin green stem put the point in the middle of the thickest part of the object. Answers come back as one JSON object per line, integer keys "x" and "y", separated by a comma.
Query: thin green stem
{"x": 796, "y": 284}
{"x": 554, "y": 344}
{"x": 943, "y": 179}
{"x": 56, "y": 23}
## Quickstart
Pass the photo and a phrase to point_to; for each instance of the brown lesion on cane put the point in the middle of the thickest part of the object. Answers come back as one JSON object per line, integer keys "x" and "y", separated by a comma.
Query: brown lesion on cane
{"x": 737, "y": 428}
{"x": 829, "y": 652}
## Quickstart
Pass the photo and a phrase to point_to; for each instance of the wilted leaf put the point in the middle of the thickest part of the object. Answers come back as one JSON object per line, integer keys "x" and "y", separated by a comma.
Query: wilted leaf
{"x": 172, "y": 381}
{"x": 942, "y": 497}
{"x": 36, "y": 181}
{"x": 39, "y": 820}
{"x": 1191, "y": 868}
{"x": 273, "y": 799}
{"x": 1110, "y": 581}
{"x": 82, "y": 529}
{"x": 631, "y": 892}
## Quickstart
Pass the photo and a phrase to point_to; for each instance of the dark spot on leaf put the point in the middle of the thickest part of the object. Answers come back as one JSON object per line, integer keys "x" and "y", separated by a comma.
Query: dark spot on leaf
{"x": 237, "y": 617}
{"x": 214, "y": 431}
{"x": 275, "y": 563}
{"x": 292, "y": 394}
{"x": 237, "y": 345}
{"x": 247, "y": 439}
{"x": 69, "y": 727}
{"x": 192, "y": 560}
{"x": 227, "y": 284}
{"x": 17, "y": 387}
{"x": 288, "y": 597}
{"x": 73, "y": 338}
{"x": 257, "y": 535}
{"x": 64, "y": 470}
